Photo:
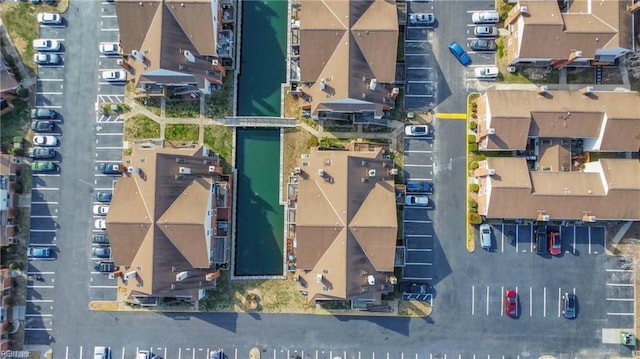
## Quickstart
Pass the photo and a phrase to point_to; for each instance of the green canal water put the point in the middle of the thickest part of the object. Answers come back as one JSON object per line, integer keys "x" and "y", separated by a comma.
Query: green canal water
{"x": 259, "y": 222}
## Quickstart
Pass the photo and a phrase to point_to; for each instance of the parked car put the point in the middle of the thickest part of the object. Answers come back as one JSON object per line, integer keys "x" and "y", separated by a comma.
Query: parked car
{"x": 39, "y": 252}
{"x": 101, "y": 252}
{"x": 105, "y": 267}
{"x": 485, "y": 17}
{"x": 101, "y": 352}
{"x": 485, "y": 236}
{"x": 110, "y": 168}
{"x": 41, "y": 152}
{"x": 216, "y": 354}
{"x": 47, "y": 18}
{"x": 511, "y": 301}
{"x": 45, "y": 141}
{"x": 459, "y": 53}
{"x": 114, "y": 75}
{"x": 417, "y": 200}
{"x": 109, "y": 48}
{"x": 41, "y": 126}
{"x": 100, "y": 210}
{"x": 486, "y": 72}
{"x": 555, "y": 244}
{"x": 99, "y": 238}
{"x": 38, "y": 113}
{"x": 100, "y": 224}
{"x": 541, "y": 240}
{"x": 419, "y": 186}
{"x": 46, "y": 45}
{"x": 569, "y": 305}
{"x": 43, "y": 166}
{"x": 485, "y": 31}
{"x": 417, "y": 130}
{"x": 47, "y": 59}
{"x": 421, "y": 18}
{"x": 103, "y": 197}
{"x": 483, "y": 45}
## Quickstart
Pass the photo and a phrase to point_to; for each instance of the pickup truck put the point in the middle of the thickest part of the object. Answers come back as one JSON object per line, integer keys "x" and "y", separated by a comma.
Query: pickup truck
{"x": 419, "y": 186}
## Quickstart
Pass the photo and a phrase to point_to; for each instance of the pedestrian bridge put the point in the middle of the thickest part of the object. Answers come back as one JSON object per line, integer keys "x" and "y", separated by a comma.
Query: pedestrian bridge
{"x": 259, "y": 121}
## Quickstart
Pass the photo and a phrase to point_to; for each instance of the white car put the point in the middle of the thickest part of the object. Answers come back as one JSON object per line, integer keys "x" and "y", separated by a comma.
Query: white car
{"x": 486, "y": 72}
{"x": 482, "y": 31}
{"x": 109, "y": 48}
{"x": 46, "y": 45}
{"x": 417, "y": 130}
{"x": 47, "y": 59}
{"x": 100, "y": 224}
{"x": 100, "y": 210}
{"x": 47, "y": 18}
{"x": 45, "y": 141}
{"x": 485, "y": 17}
{"x": 485, "y": 236}
{"x": 421, "y": 18}
{"x": 417, "y": 201}
{"x": 143, "y": 354}
{"x": 114, "y": 75}
{"x": 101, "y": 352}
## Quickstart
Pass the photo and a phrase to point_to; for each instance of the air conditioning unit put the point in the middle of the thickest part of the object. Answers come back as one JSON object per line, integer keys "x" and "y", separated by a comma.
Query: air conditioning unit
{"x": 523, "y": 9}
{"x": 130, "y": 275}
{"x": 182, "y": 276}
{"x": 184, "y": 170}
{"x": 323, "y": 84}
{"x": 372, "y": 84}
{"x": 297, "y": 170}
{"x": 590, "y": 218}
{"x": 491, "y": 131}
{"x": 545, "y": 218}
{"x": 371, "y": 280}
{"x": 372, "y": 173}
{"x": 321, "y": 172}
{"x": 214, "y": 62}
{"x": 492, "y": 172}
{"x": 393, "y": 171}
{"x": 212, "y": 169}
{"x": 318, "y": 278}
{"x": 133, "y": 169}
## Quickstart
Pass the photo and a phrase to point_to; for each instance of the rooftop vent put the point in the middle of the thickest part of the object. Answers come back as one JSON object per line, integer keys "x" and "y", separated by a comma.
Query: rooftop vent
{"x": 189, "y": 56}
{"x": 365, "y": 163}
{"x": 372, "y": 84}
{"x": 318, "y": 278}
{"x": 214, "y": 62}
{"x": 323, "y": 84}
{"x": 491, "y": 131}
{"x": 180, "y": 177}
{"x": 491, "y": 171}
{"x": 543, "y": 89}
{"x": 523, "y": 9}
{"x": 297, "y": 170}
{"x": 184, "y": 170}
{"x": 175, "y": 286}
{"x": 586, "y": 90}
{"x": 321, "y": 172}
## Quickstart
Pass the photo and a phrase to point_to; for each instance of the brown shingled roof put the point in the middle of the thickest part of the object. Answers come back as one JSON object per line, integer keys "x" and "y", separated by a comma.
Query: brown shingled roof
{"x": 162, "y": 30}
{"x": 613, "y": 118}
{"x": 344, "y": 42}
{"x": 346, "y": 224}
{"x": 158, "y": 221}
{"x": 608, "y": 189}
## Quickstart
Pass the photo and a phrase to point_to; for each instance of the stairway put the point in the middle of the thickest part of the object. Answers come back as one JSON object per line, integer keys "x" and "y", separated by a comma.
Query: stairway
{"x": 598, "y": 75}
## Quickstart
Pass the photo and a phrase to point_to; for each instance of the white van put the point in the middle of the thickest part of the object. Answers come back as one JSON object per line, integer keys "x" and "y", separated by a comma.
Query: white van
{"x": 485, "y": 17}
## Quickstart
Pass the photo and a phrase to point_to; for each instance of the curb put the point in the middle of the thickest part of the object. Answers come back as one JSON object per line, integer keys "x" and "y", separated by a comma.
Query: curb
{"x": 470, "y": 242}
{"x": 65, "y": 6}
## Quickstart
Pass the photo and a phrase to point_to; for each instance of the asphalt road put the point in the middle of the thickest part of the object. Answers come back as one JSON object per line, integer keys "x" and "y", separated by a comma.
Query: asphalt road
{"x": 465, "y": 284}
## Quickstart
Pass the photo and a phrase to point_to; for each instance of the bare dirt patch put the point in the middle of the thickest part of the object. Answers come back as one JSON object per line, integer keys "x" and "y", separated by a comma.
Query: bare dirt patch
{"x": 296, "y": 142}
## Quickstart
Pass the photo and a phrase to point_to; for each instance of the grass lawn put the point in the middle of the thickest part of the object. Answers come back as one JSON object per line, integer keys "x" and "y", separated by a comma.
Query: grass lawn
{"x": 182, "y": 108}
{"x": 397, "y": 112}
{"x": 219, "y": 104}
{"x": 151, "y": 104}
{"x": 15, "y": 123}
{"x": 181, "y": 132}
{"x": 22, "y": 26}
{"x": 218, "y": 138}
{"x": 140, "y": 127}
{"x": 581, "y": 75}
{"x": 400, "y": 53}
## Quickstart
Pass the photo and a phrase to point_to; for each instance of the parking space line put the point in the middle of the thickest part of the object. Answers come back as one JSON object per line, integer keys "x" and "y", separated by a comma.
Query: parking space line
{"x": 408, "y": 165}
{"x": 416, "y": 221}
{"x": 38, "y": 216}
{"x": 46, "y": 203}
{"x": 574, "y": 241}
{"x": 620, "y": 284}
{"x": 42, "y": 230}
{"x": 420, "y": 250}
{"x": 619, "y": 314}
{"x": 49, "y": 80}
{"x": 589, "y": 236}
{"x": 544, "y": 302}
{"x": 559, "y": 301}
{"x": 109, "y": 134}
{"x": 40, "y": 286}
{"x": 532, "y": 239}
{"x": 487, "y": 300}
{"x": 473, "y": 300}
{"x": 109, "y": 148}
{"x": 621, "y": 299}
{"x": 419, "y": 179}
{"x": 38, "y": 315}
{"x": 620, "y": 270}
{"x": 109, "y": 29}
{"x": 417, "y": 151}
{"x": 39, "y": 300}
{"x": 502, "y": 301}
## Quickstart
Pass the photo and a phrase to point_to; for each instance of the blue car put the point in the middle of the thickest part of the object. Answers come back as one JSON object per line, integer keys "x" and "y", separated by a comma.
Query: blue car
{"x": 459, "y": 53}
{"x": 103, "y": 197}
{"x": 39, "y": 252}
{"x": 110, "y": 169}
{"x": 419, "y": 186}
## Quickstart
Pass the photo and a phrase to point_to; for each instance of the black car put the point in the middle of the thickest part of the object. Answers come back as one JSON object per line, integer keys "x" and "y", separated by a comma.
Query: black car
{"x": 569, "y": 305}
{"x": 41, "y": 152}
{"x": 483, "y": 45}
{"x": 541, "y": 242}
{"x": 105, "y": 267}
{"x": 100, "y": 238}
{"x": 43, "y": 113}
{"x": 42, "y": 126}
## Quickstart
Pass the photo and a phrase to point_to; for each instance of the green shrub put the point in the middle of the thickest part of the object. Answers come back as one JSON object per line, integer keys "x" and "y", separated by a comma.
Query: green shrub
{"x": 473, "y": 165}
{"x": 474, "y": 187}
{"x": 473, "y": 210}
{"x": 17, "y": 151}
{"x": 10, "y": 327}
{"x": 481, "y": 158}
{"x": 473, "y": 147}
{"x": 475, "y": 218}
{"x": 473, "y": 125}
{"x": 14, "y": 265}
{"x": 474, "y": 105}
{"x": 18, "y": 139}
{"x": 471, "y": 139}
{"x": 17, "y": 187}
{"x": 474, "y": 116}
{"x": 473, "y": 203}
{"x": 22, "y": 92}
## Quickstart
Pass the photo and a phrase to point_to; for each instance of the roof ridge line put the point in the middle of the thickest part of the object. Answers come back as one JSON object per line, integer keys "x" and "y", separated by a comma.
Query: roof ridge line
{"x": 334, "y": 14}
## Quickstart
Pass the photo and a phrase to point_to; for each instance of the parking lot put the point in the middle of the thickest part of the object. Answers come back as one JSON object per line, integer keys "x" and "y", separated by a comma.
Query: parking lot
{"x": 418, "y": 226}
{"x": 421, "y": 79}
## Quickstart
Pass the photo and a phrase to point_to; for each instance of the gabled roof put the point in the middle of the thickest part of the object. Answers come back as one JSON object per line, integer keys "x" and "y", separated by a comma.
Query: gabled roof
{"x": 588, "y": 25}
{"x": 346, "y": 222}
{"x": 158, "y": 221}
{"x": 163, "y": 31}
{"x": 612, "y": 117}
{"x": 344, "y": 42}
{"x": 608, "y": 189}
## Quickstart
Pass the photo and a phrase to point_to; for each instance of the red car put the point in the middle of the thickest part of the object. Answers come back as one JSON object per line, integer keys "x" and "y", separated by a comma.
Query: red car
{"x": 555, "y": 245}
{"x": 511, "y": 297}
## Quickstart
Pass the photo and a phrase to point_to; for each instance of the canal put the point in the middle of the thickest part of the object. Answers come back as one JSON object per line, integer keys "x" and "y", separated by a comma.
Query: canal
{"x": 259, "y": 221}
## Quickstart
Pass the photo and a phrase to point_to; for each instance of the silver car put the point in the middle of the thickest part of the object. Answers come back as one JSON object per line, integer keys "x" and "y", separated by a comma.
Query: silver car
{"x": 485, "y": 236}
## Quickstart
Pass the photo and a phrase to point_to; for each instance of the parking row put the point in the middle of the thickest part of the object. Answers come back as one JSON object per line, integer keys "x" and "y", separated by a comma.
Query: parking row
{"x": 544, "y": 302}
